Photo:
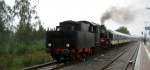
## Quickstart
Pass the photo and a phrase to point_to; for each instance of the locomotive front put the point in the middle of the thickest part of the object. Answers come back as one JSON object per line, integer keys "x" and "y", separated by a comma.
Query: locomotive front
{"x": 71, "y": 40}
{"x": 61, "y": 42}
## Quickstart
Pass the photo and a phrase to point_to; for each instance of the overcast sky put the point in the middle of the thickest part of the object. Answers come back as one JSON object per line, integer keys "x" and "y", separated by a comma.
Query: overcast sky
{"x": 52, "y": 12}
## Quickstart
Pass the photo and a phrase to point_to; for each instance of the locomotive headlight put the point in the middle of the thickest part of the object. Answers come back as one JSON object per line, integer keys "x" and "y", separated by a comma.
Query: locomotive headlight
{"x": 67, "y": 45}
{"x": 49, "y": 44}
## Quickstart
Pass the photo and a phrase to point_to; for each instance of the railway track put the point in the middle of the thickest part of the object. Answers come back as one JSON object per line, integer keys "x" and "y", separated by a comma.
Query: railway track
{"x": 114, "y": 59}
{"x": 131, "y": 61}
{"x": 46, "y": 66}
{"x": 129, "y": 65}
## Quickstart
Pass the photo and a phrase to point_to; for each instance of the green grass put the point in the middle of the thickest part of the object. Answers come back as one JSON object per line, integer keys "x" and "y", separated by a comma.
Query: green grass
{"x": 19, "y": 55}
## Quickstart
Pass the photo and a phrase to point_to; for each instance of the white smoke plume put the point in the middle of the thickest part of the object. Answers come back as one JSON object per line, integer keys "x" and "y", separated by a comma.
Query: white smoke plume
{"x": 120, "y": 15}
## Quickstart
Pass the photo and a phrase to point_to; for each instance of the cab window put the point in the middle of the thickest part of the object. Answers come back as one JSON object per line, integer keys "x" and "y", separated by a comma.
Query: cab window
{"x": 91, "y": 28}
{"x": 69, "y": 28}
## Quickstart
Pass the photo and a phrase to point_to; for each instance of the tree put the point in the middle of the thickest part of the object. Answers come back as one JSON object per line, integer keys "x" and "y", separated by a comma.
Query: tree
{"x": 5, "y": 18}
{"x": 123, "y": 30}
{"x": 41, "y": 31}
{"x": 39, "y": 34}
{"x": 24, "y": 11}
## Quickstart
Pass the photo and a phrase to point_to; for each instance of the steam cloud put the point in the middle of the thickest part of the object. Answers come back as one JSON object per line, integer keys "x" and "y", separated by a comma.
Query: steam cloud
{"x": 120, "y": 15}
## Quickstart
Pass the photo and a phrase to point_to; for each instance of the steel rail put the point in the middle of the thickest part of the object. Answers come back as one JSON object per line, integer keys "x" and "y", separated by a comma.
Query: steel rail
{"x": 115, "y": 58}
{"x": 40, "y": 65}
{"x": 130, "y": 61}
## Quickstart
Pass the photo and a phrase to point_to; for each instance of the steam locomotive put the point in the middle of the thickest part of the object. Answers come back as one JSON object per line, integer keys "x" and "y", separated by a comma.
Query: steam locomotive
{"x": 73, "y": 40}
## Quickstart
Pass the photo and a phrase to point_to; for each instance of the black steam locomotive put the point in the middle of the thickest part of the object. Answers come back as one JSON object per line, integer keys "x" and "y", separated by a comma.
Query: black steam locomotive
{"x": 73, "y": 40}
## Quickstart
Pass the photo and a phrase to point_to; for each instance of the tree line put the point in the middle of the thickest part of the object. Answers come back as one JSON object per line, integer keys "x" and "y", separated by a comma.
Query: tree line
{"x": 123, "y": 30}
{"x": 29, "y": 26}
{"x": 21, "y": 35}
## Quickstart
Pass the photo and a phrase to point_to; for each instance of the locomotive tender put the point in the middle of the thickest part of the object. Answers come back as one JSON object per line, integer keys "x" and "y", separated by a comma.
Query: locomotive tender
{"x": 74, "y": 40}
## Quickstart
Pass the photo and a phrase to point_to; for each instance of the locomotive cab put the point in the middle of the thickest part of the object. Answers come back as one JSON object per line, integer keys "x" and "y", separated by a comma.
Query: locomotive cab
{"x": 103, "y": 36}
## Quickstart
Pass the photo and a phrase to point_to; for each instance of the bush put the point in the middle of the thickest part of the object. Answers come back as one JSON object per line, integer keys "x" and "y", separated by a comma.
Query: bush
{"x": 15, "y": 56}
{"x": 5, "y": 62}
{"x": 17, "y": 63}
{"x": 36, "y": 58}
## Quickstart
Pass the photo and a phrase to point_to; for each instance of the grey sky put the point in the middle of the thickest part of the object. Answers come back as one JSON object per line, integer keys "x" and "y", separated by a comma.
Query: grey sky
{"x": 52, "y": 12}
